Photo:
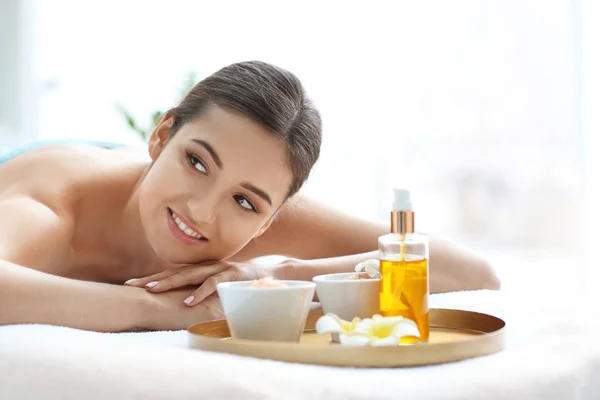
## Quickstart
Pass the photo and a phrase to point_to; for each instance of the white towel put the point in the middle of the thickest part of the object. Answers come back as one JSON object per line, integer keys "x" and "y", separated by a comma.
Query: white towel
{"x": 549, "y": 355}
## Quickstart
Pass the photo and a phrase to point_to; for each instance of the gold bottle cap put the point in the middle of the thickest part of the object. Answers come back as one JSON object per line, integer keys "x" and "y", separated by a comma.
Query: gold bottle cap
{"x": 403, "y": 221}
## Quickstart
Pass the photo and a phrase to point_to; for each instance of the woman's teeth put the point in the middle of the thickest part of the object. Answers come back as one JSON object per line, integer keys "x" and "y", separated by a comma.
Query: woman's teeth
{"x": 184, "y": 228}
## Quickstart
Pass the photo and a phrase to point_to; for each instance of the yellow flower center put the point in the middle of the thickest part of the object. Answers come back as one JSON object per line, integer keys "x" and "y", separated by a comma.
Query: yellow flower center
{"x": 380, "y": 331}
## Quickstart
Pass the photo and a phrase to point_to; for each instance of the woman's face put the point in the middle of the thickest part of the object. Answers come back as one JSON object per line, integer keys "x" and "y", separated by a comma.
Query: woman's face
{"x": 213, "y": 186}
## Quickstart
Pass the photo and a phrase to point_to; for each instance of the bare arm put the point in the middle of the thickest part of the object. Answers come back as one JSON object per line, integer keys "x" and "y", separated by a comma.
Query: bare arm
{"x": 29, "y": 295}
{"x": 473, "y": 274}
{"x": 325, "y": 240}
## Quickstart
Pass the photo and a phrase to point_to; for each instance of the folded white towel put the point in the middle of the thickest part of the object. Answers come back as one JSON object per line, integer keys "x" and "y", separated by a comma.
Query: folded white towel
{"x": 549, "y": 355}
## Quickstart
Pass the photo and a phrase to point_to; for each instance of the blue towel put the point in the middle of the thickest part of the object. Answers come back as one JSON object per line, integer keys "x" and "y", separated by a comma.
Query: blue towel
{"x": 7, "y": 153}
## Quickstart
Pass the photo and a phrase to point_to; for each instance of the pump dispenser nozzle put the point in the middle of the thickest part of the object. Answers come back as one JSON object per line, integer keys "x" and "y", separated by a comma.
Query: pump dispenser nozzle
{"x": 403, "y": 218}
{"x": 402, "y": 200}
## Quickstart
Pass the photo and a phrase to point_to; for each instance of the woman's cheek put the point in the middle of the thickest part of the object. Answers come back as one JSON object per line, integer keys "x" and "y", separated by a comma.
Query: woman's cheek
{"x": 236, "y": 236}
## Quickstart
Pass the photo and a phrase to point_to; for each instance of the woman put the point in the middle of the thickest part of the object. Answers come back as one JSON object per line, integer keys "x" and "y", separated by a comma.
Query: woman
{"x": 216, "y": 192}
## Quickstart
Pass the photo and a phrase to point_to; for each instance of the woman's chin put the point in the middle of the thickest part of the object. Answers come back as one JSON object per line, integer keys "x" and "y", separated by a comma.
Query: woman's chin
{"x": 171, "y": 255}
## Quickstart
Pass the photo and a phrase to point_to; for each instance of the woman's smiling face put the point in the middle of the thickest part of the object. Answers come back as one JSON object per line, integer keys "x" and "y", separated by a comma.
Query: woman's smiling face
{"x": 213, "y": 186}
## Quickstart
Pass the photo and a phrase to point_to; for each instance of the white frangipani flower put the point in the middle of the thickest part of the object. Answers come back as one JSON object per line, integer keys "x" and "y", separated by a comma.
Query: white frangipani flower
{"x": 331, "y": 323}
{"x": 376, "y": 331}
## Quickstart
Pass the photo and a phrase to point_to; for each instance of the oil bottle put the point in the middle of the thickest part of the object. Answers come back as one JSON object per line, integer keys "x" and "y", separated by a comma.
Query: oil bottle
{"x": 404, "y": 268}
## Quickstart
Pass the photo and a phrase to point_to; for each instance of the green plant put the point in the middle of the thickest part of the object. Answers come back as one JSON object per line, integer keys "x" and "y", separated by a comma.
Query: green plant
{"x": 144, "y": 132}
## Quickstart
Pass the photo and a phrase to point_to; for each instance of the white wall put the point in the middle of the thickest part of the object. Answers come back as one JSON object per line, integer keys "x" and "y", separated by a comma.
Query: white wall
{"x": 474, "y": 105}
{"x": 591, "y": 118}
{"x": 18, "y": 108}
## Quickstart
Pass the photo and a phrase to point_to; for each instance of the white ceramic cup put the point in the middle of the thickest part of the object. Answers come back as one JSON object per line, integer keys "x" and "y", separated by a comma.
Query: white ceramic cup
{"x": 266, "y": 313}
{"x": 348, "y": 298}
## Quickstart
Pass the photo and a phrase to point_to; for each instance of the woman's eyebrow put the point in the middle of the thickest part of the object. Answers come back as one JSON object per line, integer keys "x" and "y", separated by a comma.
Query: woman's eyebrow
{"x": 257, "y": 191}
{"x": 211, "y": 151}
{"x": 247, "y": 185}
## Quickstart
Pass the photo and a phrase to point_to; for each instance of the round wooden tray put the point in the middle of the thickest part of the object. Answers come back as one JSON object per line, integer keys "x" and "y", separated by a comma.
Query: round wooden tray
{"x": 454, "y": 335}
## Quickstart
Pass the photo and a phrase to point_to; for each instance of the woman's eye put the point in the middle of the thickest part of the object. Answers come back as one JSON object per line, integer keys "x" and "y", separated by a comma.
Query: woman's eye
{"x": 196, "y": 163}
{"x": 242, "y": 201}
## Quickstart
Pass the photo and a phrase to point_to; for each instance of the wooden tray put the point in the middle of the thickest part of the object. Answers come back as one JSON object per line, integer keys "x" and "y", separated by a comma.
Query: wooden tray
{"x": 454, "y": 335}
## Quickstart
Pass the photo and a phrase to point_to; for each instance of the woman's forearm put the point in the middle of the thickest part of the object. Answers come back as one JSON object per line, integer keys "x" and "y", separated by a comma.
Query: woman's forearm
{"x": 305, "y": 270}
{"x": 30, "y": 296}
{"x": 451, "y": 268}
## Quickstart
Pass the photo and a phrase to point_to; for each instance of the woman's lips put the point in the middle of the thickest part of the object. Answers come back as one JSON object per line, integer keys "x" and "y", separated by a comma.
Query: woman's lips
{"x": 180, "y": 235}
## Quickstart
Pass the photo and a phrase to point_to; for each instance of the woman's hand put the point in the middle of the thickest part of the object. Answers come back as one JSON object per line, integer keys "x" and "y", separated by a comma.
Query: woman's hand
{"x": 167, "y": 311}
{"x": 207, "y": 275}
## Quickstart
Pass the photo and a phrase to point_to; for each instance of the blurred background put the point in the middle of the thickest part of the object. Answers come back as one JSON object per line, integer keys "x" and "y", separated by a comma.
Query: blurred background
{"x": 484, "y": 109}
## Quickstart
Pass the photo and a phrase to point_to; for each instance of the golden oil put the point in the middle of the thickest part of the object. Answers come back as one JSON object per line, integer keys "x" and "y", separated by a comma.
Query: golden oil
{"x": 404, "y": 291}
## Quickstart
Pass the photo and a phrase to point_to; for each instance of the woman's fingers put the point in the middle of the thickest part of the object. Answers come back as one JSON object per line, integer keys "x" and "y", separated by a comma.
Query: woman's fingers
{"x": 141, "y": 282}
{"x": 190, "y": 276}
{"x": 206, "y": 289}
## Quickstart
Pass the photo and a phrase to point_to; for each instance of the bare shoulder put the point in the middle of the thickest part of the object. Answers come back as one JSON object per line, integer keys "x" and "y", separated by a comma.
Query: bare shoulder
{"x": 39, "y": 194}
{"x": 55, "y": 175}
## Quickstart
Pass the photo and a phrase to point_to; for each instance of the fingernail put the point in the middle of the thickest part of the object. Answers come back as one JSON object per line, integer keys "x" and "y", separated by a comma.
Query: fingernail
{"x": 189, "y": 300}
{"x": 132, "y": 282}
{"x": 152, "y": 284}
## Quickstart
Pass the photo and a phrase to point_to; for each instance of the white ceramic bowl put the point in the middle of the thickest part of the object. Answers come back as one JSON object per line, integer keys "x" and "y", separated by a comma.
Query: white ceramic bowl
{"x": 266, "y": 313}
{"x": 348, "y": 298}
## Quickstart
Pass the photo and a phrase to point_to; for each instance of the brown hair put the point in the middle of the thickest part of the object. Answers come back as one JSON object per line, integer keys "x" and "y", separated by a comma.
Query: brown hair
{"x": 269, "y": 95}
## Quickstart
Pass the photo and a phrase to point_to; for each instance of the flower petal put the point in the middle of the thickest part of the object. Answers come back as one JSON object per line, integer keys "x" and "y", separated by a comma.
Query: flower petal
{"x": 372, "y": 268}
{"x": 354, "y": 340}
{"x": 368, "y": 266}
{"x": 328, "y": 324}
{"x": 377, "y": 322}
{"x": 406, "y": 327}
{"x": 364, "y": 327}
{"x": 354, "y": 323}
{"x": 380, "y": 327}
{"x": 387, "y": 341}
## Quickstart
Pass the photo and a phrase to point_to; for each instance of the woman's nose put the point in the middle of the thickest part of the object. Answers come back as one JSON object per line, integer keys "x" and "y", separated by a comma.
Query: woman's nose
{"x": 204, "y": 210}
